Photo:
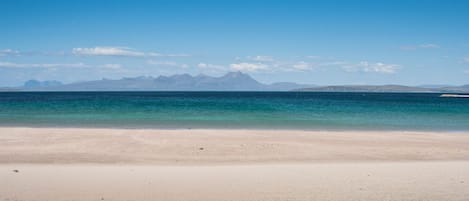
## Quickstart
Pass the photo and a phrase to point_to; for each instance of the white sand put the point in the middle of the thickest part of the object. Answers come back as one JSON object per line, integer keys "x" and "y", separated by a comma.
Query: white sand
{"x": 50, "y": 145}
{"x": 112, "y": 164}
{"x": 387, "y": 181}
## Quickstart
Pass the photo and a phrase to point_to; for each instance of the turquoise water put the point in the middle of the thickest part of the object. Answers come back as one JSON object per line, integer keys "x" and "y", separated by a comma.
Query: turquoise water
{"x": 272, "y": 110}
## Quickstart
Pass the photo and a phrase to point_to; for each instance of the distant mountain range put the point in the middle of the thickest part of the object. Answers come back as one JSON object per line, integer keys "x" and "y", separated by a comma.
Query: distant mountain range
{"x": 233, "y": 81}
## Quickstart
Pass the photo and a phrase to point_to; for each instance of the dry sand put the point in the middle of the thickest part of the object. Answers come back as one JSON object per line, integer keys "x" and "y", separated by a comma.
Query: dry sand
{"x": 62, "y": 145}
{"x": 116, "y": 164}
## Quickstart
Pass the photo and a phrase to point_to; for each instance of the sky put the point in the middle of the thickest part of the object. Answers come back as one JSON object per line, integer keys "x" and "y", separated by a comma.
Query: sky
{"x": 332, "y": 42}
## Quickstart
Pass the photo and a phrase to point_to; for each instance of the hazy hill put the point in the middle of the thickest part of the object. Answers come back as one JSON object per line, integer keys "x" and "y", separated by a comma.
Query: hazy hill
{"x": 461, "y": 89}
{"x": 233, "y": 81}
{"x": 369, "y": 88}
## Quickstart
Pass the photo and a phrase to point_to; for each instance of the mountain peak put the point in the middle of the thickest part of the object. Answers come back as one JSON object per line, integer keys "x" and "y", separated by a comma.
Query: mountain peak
{"x": 231, "y": 81}
{"x": 236, "y": 74}
{"x": 182, "y": 76}
{"x": 137, "y": 78}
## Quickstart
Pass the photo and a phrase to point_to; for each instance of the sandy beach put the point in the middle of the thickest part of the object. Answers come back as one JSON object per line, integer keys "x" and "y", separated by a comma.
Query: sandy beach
{"x": 136, "y": 164}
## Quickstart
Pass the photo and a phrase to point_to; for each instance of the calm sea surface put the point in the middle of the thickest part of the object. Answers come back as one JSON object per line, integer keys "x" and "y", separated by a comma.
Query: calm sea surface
{"x": 271, "y": 110}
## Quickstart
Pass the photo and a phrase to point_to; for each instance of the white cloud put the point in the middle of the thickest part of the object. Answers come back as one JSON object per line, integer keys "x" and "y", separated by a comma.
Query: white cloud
{"x": 313, "y": 57}
{"x": 57, "y": 65}
{"x": 333, "y": 63}
{"x": 367, "y": 67}
{"x": 303, "y": 66}
{"x": 429, "y": 46}
{"x": 175, "y": 55}
{"x": 261, "y": 58}
{"x": 465, "y": 60}
{"x": 274, "y": 66}
{"x": 42, "y": 65}
{"x": 251, "y": 67}
{"x": 307, "y": 66}
{"x": 119, "y": 52}
{"x": 202, "y": 65}
{"x": 210, "y": 66}
{"x": 153, "y": 54}
{"x": 167, "y": 63}
{"x": 111, "y": 66}
{"x": 421, "y": 46}
{"x": 107, "y": 51}
{"x": 9, "y": 52}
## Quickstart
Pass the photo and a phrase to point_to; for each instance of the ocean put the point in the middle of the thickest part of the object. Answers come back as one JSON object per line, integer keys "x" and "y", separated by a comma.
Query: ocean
{"x": 236, "y": 110}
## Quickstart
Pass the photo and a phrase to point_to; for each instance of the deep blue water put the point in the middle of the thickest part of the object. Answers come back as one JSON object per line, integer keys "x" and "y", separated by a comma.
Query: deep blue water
{"x": 272, "y": 110}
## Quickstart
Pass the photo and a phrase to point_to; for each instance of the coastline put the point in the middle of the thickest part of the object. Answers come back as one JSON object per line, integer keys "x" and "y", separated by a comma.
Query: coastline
{"x": 240, "y": 128}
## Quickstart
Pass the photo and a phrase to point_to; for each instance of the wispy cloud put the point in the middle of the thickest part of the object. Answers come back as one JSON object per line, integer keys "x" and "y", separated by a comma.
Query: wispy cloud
{"x": 261, "y": 58}
{"x": 42, "y": 65}
{"x": 303, "y": 66}
{"x": 92, "y": 51}
{"x": 119, "y": 52}
{"x": 58, "y": 65}
{"x": 111, "y": 66}
{"x": 333, "y": 63}
{"x": 465, "y": 59}
{"x": 313, "y": 57}
{"x": 249, "y": 67}
{"x": 9, "y": 52}
{"x": 429, "y": 46}
{"x": 466, "y": 71}
{"x": 167, "y": 63}
{"x": 368, "y": 67}
{"x": 269, "y": 64}
{"x": 107, "y": 51}
{"x": 174, "y": 55}
{"x": 211, "y": 66}
{"x": 277, "y": 65}
{"x": 421, "y": 46}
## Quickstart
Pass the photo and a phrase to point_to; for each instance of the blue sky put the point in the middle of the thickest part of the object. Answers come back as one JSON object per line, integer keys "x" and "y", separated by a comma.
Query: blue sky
{"x": 317, "y": 42}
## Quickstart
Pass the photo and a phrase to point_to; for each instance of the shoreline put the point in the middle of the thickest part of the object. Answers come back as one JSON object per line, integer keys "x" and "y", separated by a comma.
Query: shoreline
{"x": 275, "y": 129}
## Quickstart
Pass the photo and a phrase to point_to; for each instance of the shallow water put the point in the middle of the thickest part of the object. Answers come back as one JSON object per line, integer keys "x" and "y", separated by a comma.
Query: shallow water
{"x": 271, "y": 110}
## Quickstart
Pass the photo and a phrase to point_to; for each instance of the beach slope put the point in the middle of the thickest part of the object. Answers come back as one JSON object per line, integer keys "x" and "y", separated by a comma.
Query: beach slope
{"x": 134, "y": 164}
